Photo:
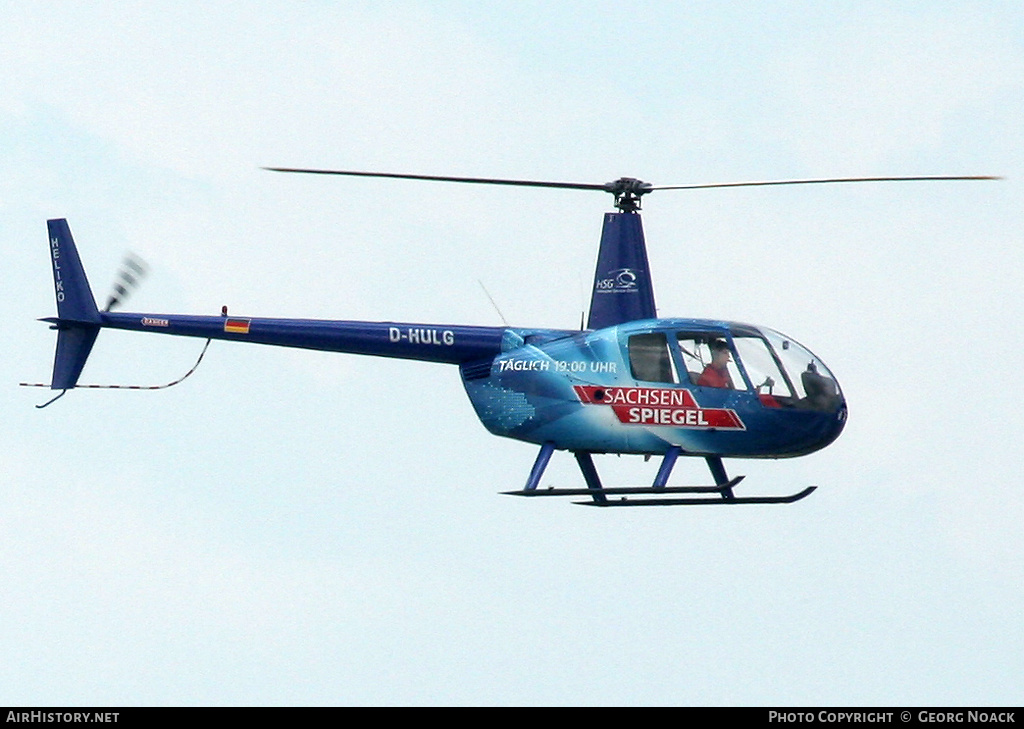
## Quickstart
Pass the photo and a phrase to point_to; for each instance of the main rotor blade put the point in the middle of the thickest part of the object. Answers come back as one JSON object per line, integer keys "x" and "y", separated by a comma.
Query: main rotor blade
{"x": 443, "y": 178}
{"x": 925, "y": 178}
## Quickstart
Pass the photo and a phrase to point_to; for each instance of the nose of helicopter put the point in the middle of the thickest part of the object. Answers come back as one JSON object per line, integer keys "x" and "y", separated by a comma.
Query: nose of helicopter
{"x": 788, "y": 432}
{"x": 835, "y": 424}
{"x": 798, "y": 381}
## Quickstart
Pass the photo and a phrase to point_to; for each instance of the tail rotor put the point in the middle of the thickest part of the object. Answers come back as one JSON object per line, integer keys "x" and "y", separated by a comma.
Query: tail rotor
{"x": 133, "y": 270}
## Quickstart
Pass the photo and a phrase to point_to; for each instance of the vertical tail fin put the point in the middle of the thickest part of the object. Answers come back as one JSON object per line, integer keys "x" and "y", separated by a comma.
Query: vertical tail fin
{"x": 74, "y": 297}
{"x": 78, "y": 320}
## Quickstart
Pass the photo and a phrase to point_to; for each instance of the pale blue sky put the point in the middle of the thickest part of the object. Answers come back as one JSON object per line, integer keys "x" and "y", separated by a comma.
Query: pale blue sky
{"x": 303, "y": 528}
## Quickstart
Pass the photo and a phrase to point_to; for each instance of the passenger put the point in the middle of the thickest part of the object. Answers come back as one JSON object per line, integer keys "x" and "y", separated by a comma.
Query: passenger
{"x": 717, "y": 374}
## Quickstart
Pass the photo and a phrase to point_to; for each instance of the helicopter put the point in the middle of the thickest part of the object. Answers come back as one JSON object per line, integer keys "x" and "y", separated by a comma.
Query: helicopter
{"x": 628, "y": 382}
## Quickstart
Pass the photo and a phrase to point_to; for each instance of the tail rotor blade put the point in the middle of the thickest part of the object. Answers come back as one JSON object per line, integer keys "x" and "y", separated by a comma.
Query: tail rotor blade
{"x": 133, "y": 270}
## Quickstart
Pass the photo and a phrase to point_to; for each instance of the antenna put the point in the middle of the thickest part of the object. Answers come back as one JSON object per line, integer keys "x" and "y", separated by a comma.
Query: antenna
{"x": 491, "y": 299}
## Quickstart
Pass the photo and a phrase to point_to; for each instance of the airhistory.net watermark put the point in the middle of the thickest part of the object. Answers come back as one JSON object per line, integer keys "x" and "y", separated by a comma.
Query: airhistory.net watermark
{"x": 62, "y": 717}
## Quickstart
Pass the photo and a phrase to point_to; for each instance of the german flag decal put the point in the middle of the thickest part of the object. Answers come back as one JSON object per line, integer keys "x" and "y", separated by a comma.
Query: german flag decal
{"x": 236, "y": 326}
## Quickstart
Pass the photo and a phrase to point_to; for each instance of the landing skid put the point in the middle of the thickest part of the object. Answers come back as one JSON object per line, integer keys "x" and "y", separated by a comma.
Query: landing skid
{"x": 626, "y": 490}
{"x": 722, "y": 490}
{"x": 698, "y": 501}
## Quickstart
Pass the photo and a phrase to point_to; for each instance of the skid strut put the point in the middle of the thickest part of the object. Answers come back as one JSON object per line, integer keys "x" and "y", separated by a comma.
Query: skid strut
{"x": 720, "y": 493}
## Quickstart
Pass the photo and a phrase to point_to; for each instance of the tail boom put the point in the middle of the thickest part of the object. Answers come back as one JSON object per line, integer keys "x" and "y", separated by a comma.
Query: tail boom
{"x": 78, "y": 323}
{"x": 450, "y": 344}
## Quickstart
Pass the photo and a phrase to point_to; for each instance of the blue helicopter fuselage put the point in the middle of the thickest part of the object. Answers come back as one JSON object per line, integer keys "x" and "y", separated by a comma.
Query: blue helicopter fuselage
{"x": 629, "y": 388}
{"x": 592, "y": 391}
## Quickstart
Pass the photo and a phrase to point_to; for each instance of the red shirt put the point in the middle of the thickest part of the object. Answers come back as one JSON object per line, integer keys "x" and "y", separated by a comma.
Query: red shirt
{"x": 714, "y": 377}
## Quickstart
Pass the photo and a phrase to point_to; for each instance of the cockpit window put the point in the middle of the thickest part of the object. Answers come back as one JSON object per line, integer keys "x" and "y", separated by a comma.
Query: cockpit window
{"x": 784, "y": 373}
{"x": 781, "y": 372}
{"x": 815, "y": 387}
{"x": 763, "y": 369}
{"x": 649, "y": 358}
{"x": 709, "y": 361}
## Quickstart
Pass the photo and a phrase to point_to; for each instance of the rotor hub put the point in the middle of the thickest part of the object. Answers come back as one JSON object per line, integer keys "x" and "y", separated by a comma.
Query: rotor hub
{"x": 627, "y": 192}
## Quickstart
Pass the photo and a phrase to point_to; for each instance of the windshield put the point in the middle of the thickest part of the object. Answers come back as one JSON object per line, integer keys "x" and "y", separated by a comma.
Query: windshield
{"x": 784, "y": 373}
{"x": 708, "y": 361}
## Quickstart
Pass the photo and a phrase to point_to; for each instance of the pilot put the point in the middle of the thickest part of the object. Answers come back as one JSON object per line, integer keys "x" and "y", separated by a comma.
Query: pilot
{"x": 716, "y": 374}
